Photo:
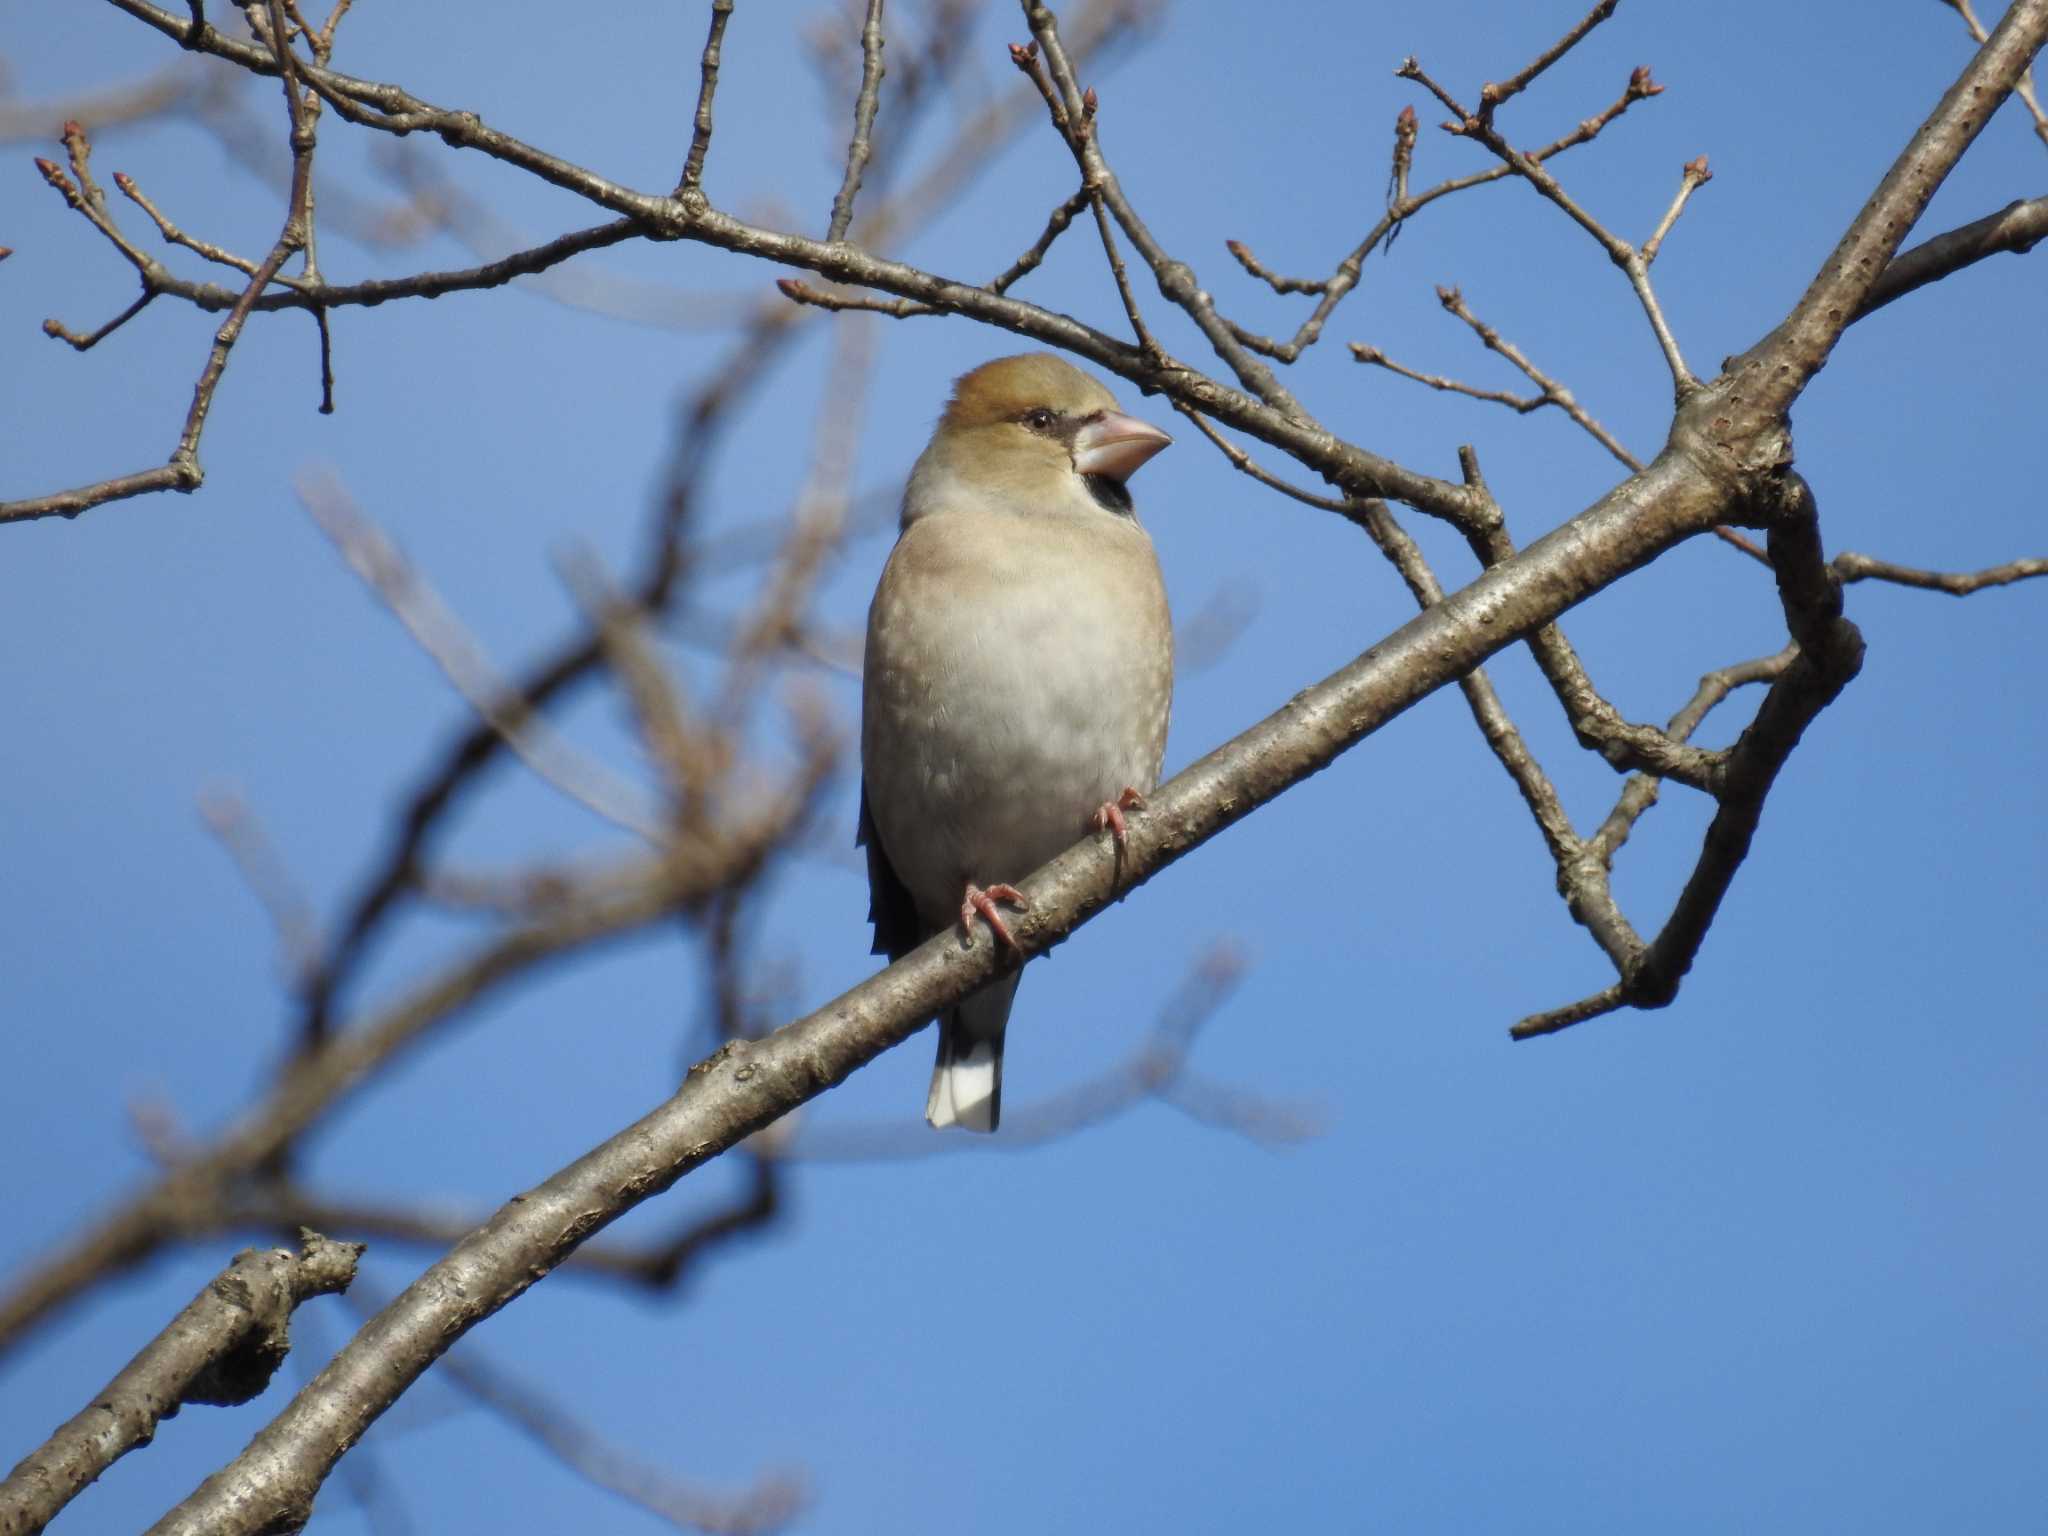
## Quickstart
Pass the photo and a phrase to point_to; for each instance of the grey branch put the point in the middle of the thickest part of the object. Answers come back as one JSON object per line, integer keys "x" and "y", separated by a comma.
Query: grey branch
{"x": 1724, "y": 459}
{"x": 745, "y": 1086}
{"x": 221, "y": 1350}
{"x": 707, "y": 88}
{"x": 1850, "y": 566}
{"x": 2025, "y": 89}
{"x": 857, "y": 147}
{"x": 2017, "y": 227}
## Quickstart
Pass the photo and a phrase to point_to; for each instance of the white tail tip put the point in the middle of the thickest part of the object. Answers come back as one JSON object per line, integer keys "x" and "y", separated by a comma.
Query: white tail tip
{"x": 964, "y": 1090}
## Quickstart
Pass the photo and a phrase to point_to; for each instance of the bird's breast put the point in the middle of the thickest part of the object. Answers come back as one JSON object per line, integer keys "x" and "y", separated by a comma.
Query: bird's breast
{"x": 1015, "y": 679}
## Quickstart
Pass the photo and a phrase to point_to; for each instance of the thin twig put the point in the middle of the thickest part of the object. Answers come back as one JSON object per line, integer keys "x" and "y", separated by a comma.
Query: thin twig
{"x": 1245, "y": 464}
{"x": 293, "y": 237}
{"x": 1693, "y": 176}
{"x": 768, "y": 1506}
{"x": 278, "y": 1202}
{"x": 1492, "y": 96}
{"x": 853, "y": 303}
{"x": 183, "y": 472}
{"x": 1055, "y": 226}
{"x": 1274, "y": 416}
{"x": 1074, "y": 113}
{"x": 1641, "y": 791}
{"x": 700, "y": 134}
{"x": 316, "y": 1080}
{"x": 1480, "y": 126}
{"x": 177, "y": 236}
{"x": 453, "y": 649}
{"x": 1598, "y": 725}
{"x": 689, "y": 764}
{"x": 1404, "y": 159}
{"x": 1122, "y": 277}
{"x": 1270, "y": 278}
{"x": 164, "y": 92}
{"x": 229, "y": 819}
{"x": 1402, "y": 206}
{"x": 1553, "y": 392}
{"x": 817, "y": 527}
{"x": 81, "y": 343}
{"x": 1850, "y": 566}
{"x": 1375, "y": 358}
{"x": 1491, "y": 716}
{"x": 857, "y": 148}
{"x": 1156, "y": 1069}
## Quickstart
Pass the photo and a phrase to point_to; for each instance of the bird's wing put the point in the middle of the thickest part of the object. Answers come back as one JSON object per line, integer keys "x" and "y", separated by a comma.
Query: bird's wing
{"x": 890, "y": 909}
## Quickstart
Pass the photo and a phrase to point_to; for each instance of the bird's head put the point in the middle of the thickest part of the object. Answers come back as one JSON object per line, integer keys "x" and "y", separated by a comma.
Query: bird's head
{"x": 1026, "y": 429}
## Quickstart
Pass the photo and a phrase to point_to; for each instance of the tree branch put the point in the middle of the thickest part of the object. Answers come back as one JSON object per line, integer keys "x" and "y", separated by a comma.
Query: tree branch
{"x": 2017, "y": 227}
{"x": 747, "y": 1085}
{"x": 221, "y": 1350}
{"x": 857, "y": 148}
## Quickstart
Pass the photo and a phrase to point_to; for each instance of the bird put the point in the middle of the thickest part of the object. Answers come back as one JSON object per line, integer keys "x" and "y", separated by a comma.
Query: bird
{"x": 1017, "y": 680}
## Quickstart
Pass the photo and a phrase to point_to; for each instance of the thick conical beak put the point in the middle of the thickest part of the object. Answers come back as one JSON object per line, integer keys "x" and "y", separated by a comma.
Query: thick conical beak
{"x": 1115, "y": 445}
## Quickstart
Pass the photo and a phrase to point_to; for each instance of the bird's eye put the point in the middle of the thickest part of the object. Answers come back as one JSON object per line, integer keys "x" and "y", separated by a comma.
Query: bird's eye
{"x": 1040, "y": 419}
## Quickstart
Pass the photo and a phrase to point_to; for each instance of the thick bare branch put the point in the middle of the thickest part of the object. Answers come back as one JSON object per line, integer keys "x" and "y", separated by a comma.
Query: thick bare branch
{"x": 2025, "y": 88}
{"x": 222, "y": 1349}
{"x": 747, "y": 1085}
{"x": 2017, "y": 227}
{"x": 1828, "y": 653}
{"x": 1764, "y": 381}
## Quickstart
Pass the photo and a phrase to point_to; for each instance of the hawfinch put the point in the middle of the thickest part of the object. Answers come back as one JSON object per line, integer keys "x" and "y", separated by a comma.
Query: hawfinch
{"x": 1018, "y": 678}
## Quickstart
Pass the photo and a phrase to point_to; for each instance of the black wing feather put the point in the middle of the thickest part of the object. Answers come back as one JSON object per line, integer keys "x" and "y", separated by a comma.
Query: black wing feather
{"x": 890, "y": 909}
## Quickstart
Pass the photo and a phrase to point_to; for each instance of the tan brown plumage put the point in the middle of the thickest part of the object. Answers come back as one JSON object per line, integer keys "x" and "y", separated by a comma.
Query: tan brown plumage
{"x": 1019, "y": 673}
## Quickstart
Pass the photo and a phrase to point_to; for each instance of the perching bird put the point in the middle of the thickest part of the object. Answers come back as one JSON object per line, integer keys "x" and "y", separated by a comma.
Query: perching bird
{"x": 1018, "y": 679}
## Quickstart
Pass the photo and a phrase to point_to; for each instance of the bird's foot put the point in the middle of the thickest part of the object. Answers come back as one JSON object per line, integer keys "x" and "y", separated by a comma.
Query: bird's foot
{"x": 982, "y": 901}
{"x": 1109, "y": 816}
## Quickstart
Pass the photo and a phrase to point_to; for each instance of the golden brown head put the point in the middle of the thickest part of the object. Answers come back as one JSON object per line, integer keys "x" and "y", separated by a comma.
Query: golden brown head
{"x": 1021, "y": 426}
{"x": 1011, "y": 388}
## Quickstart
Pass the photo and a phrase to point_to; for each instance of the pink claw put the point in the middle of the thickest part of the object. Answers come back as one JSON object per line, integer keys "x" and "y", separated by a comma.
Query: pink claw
{"x": 1109, "y": 816}
{"x": 982, "y": 901}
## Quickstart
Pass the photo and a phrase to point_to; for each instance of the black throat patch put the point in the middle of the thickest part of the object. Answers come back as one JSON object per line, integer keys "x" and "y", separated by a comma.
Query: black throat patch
{"x": 1111, "y": 495}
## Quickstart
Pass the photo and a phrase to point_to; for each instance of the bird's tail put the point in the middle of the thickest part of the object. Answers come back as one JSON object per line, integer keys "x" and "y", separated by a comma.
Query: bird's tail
{"x": 967, "y": 1082}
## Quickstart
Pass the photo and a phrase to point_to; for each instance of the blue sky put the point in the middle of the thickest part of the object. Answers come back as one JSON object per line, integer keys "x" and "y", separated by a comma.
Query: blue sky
{"x": 1769, "y": 1259}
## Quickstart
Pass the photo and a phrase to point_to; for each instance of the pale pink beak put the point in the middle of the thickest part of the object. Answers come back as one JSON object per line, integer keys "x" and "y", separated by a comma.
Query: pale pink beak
{"x": 1115, "y": 445}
